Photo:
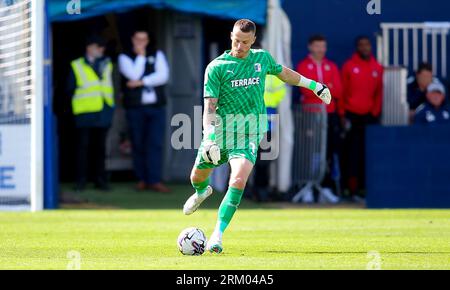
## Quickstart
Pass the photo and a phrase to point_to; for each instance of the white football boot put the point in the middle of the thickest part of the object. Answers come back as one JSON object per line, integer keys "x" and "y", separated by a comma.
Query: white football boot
{"x": 214, "y": 244}
{"x": 193, "y": 202}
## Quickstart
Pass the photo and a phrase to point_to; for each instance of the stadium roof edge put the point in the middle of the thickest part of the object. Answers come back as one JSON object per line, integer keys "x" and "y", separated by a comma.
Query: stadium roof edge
{"x": 63, "y": 11}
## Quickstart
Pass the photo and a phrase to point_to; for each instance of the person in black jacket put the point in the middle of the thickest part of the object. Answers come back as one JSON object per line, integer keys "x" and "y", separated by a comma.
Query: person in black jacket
{"x": 145, "y": 71}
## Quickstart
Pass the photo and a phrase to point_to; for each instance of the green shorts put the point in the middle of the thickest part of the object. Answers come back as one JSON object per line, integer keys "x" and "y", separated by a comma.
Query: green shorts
{"x": 242, "y": 147}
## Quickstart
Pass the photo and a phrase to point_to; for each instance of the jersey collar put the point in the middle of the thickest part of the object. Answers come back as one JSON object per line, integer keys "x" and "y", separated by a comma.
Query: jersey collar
{"x": 229, "y": 56}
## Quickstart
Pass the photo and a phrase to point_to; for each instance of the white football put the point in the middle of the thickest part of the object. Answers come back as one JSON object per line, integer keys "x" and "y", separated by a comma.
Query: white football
{"x": 192, "y": 242}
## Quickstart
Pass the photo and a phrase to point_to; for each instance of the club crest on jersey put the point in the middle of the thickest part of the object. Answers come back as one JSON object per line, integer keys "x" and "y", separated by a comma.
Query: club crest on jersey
{"x": 257, "y": 67}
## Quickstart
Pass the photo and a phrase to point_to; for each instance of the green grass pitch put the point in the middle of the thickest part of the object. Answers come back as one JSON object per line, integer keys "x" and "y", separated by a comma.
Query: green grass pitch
{"x": 139, "y": 230}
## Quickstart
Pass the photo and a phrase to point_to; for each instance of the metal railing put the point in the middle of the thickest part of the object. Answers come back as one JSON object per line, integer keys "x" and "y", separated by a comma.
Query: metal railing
{"x": 310, "y": 146}
{"x": 408, "y": 44}
{"x": 395, "y": 111}
{"x": 16, "y": 87}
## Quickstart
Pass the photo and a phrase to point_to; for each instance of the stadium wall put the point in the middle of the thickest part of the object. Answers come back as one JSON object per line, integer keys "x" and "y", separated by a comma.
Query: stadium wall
{"x": 408, "y": 167}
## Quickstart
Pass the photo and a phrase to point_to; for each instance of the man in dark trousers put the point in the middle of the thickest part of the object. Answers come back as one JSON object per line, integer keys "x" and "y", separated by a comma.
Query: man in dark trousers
{"x": 91, "y": 88}
{"x": 145, "y": 72}
{"x": 362, "y": 80}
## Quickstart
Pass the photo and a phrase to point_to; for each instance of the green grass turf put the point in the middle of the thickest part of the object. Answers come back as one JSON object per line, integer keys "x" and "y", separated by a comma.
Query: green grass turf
{"x": 140, "y": 232}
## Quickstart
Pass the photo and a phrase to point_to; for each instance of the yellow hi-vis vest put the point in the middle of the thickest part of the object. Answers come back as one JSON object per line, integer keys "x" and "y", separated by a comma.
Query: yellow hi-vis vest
{"x": 275, "y": 91}
{"x": 91, "y": 92}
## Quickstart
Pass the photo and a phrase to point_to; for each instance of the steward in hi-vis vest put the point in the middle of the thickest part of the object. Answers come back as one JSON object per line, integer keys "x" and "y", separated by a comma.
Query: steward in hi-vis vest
{"x": 91, "y": 90}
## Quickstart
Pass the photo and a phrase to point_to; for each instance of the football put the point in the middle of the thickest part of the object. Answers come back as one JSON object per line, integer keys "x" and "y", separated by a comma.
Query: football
{"x": 192, "y": 242}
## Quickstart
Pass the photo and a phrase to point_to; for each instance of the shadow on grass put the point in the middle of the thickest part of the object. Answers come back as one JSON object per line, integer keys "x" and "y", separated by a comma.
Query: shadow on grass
{"x": 124, "y": 196}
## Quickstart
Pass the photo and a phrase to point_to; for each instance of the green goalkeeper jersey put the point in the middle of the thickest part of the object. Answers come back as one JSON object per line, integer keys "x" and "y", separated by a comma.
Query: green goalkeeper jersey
{"x": 239, "y": 86}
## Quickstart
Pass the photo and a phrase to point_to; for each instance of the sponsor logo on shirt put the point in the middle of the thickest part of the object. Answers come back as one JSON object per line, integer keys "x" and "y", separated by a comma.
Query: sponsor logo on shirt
{"x": 245, "y": 82}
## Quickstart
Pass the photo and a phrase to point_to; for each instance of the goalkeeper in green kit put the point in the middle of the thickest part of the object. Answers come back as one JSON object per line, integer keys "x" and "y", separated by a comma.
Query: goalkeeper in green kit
{"x": 235, "y": 120}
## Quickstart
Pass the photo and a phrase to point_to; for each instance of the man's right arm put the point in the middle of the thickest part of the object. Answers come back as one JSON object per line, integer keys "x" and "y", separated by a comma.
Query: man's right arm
{"x": 211, "y": 97}
{"x": 209, "y": 118}
{"x": 211, "y": 151}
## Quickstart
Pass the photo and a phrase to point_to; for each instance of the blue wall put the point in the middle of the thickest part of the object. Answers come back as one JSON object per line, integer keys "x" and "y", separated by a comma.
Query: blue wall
{"x": 342, "y": 20}
{"x": 408, "y": 167}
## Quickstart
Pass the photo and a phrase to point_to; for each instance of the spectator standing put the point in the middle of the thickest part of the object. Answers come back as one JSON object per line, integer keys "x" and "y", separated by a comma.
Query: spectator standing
{"x": 91, "y": 88}
{"x": 316, "y": 66}
{"x": 362, "y": 79}
{"x": 145, "y": 72}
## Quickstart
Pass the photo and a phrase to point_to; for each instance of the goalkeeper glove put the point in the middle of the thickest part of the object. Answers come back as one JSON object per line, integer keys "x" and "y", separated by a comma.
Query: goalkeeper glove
{"x": 323, "y": 93}
{"x": 211, "y": 151}
{"x": 320, "y": 90}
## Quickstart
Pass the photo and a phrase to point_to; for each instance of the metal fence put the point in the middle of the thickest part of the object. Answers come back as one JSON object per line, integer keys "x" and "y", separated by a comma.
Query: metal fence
{"x": 21, "y": 104}
{"x": 408, "y": 44}
{"x": 310, "y": 150}
{"x": 15, "y": 62}
{"x": 395, "y": 105}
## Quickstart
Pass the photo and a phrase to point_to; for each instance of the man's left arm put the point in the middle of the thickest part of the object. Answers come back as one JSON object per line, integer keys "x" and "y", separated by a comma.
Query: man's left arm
{"x": 293, "y": 78}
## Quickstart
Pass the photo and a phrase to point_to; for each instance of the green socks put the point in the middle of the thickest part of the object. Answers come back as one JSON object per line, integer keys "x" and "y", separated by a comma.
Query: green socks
{"x": 228, "y": 207}
{"x": 200, "y": 187}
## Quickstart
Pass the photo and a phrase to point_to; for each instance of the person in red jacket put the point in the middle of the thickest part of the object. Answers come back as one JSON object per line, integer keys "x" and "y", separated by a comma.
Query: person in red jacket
{"x": 316, "y": 66}
{"x": 362, "y": 79}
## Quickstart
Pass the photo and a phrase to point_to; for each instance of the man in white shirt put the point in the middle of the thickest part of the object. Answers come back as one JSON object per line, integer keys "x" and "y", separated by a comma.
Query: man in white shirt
{"x": 145, "y": 71}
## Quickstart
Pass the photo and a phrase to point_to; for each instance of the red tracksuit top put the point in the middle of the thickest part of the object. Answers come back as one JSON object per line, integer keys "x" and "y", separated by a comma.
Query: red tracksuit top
{"x": 363, "y": 86}
{"x": 327, "y": 73}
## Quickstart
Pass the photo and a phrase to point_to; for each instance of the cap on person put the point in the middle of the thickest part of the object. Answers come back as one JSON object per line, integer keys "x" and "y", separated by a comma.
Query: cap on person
{"x": 436, "y": 87}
